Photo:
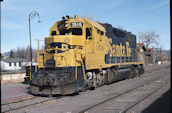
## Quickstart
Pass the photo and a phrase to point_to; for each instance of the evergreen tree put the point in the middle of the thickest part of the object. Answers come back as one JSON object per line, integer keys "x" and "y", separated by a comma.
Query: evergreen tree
{"x": 11, "y": 54}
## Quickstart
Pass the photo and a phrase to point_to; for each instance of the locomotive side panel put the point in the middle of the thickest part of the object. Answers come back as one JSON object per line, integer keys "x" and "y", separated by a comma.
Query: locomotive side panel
{"x": 123, "y": 46}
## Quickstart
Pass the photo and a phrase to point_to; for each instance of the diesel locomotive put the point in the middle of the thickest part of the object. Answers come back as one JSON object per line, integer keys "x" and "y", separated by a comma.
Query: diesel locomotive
{"x": 84, "y": 54}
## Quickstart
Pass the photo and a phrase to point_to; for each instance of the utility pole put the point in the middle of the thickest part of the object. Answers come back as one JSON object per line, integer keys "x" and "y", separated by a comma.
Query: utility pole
{"x": 32, "y": 15}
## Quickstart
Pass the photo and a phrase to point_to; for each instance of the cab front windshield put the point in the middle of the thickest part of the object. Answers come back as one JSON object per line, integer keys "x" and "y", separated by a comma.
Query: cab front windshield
{"x": 71, "y": 31}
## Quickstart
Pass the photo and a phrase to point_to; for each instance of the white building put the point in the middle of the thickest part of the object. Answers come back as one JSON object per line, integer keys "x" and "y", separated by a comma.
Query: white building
{"x": 12, "y": 63}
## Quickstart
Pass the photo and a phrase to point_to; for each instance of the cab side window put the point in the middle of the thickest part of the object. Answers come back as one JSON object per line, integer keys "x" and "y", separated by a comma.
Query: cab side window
{"x": 88, "y": 33}
{"x": 100, "y": 32}
{"x": 53, "y": 33}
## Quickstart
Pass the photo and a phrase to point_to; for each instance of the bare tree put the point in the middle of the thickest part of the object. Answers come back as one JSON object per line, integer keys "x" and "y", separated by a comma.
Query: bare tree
{"x": 20, "y": 52}
{"x": 148, "y": 37}
{"x": 161, "y": 48}
{"x": 23, "y": 52}
{"x": 27, "y": 52}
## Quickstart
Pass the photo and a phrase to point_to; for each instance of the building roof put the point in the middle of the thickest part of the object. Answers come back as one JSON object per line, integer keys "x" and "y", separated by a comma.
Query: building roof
{"x": 141, "y": 45}
{"x": 150, "y": 49}
{"x": 12, "y": 60}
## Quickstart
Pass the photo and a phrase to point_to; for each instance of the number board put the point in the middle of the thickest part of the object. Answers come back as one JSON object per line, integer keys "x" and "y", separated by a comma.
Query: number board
{"x": 76, "y": 24}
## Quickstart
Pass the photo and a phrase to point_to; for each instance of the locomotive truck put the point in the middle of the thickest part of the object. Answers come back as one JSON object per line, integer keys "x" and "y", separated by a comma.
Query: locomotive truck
{"x": 84, "y": 54}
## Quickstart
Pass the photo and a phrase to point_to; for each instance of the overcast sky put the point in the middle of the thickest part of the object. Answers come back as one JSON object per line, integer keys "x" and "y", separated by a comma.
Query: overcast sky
{"x": 133, "y": 15}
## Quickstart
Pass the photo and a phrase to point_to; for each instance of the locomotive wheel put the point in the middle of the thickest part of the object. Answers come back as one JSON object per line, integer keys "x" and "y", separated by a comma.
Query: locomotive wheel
{"x": 137, "y": 72}
{"x": 111, "y": 76}
{"x": 141, "y": 69}
{"x": 132, "y": 73}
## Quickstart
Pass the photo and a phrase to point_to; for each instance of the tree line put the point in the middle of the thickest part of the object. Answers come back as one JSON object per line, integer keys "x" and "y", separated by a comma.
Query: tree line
{"x": 22, "y": 52}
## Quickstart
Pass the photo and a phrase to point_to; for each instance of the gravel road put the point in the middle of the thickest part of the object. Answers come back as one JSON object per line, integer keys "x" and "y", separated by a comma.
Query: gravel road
{"x": 74, "y": 104}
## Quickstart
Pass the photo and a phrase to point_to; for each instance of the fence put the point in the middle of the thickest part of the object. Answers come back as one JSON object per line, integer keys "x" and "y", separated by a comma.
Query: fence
{"x": 13, "y": 75}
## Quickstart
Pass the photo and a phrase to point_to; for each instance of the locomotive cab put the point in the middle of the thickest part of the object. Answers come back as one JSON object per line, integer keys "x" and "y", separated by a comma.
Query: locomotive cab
{"x": 64, "y": 61}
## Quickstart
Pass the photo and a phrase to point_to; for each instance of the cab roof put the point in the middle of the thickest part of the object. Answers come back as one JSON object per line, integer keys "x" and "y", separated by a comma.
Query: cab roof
{"x": 96, "y": 24}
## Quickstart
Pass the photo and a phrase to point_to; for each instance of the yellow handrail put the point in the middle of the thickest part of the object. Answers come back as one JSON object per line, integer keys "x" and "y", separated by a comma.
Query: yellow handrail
{"x": 83, "y": 69}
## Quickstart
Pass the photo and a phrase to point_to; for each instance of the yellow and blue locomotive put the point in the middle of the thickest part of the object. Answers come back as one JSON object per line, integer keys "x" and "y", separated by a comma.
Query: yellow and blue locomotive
{"x": 83, "y": 54}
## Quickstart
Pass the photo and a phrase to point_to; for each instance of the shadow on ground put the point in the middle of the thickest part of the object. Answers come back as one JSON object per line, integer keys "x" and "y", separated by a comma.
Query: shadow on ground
{"x": 162, "y": 105}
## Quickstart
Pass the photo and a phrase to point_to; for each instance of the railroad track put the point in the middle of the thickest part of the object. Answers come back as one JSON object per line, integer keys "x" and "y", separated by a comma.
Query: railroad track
{"x": 18, "y": 100}
{"x": 144, "y": 98}
{"x": 28, "y": 102}
{"x": 152, "y": 70}
{"x": 123, "y": 108}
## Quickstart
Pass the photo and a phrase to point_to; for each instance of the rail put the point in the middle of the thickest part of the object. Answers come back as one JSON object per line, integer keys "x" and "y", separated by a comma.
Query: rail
{"x": 128, "y": 91}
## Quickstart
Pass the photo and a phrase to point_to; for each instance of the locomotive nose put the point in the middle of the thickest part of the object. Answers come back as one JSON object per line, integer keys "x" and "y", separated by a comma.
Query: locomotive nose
{"x": 50, "y": 63}
{"x": 50, "y": 81}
